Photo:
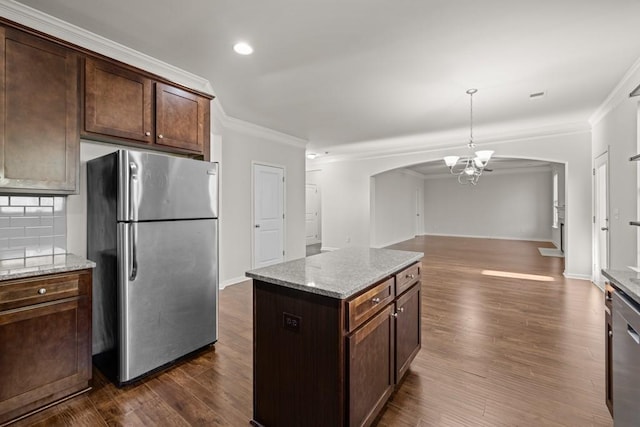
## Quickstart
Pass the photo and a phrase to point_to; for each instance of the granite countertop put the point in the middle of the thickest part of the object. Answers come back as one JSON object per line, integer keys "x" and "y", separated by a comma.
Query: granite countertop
{"x": 337, "y": 274}
{"x": 40, "y": 265}
{"x": 627, "y": 281}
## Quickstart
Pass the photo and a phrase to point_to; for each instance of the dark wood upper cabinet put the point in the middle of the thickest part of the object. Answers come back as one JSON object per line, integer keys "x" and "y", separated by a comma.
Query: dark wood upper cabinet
{"x": 181, "y": 118}
{"x": 120, "y": 106}
{"x": 39, "y": 110}
{"x": 117, "y": 102}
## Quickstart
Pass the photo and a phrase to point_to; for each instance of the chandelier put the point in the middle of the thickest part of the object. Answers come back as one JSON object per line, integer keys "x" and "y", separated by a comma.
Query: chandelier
{"x": 469, "y": 168}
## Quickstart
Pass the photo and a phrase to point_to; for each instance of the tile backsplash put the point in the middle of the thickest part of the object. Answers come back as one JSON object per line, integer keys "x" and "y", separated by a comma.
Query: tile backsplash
{"x": 32, "y": 226}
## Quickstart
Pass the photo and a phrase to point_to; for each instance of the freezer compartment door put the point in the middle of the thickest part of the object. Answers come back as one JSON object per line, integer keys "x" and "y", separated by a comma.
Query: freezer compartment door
{"x": 168, "y": 292}
{"x": 158, "y": 187}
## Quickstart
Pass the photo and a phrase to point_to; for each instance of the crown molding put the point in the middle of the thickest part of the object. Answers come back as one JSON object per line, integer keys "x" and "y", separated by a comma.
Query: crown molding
{"x": 619, "y": 94}
{"x": 248, "y": 128}
{"x": 48, "y": 24}
{"x": 425, "y": 143}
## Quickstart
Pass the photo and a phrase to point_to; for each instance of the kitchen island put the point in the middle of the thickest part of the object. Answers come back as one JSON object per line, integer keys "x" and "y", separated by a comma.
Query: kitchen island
{"x": 334, "y": 335}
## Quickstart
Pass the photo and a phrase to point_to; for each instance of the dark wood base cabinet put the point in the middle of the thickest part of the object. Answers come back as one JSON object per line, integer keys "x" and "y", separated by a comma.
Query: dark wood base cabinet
{"x": 45, "y": 341}
{"x": 321, "y": 361}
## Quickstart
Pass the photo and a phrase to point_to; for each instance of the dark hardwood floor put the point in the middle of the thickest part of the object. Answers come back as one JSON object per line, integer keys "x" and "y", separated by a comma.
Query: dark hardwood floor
{"x": 507, "y": 341}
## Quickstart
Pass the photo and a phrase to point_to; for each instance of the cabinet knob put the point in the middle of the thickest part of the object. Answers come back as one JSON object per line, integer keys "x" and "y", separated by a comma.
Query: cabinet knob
{"x": 401, "y": 309}
{"x": 147, "y": 133}
{"x": 160, "y": 136}
{"x": 394, "y": 315}
{"x": 376, "y": 300}
{"x": 610, "y": 333}
{"x": 42, "y": 291}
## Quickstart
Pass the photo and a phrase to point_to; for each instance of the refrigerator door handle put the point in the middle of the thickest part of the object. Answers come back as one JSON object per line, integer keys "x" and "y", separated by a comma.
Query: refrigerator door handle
{"x": 133, "y": 241}
{"x": 133, "y": 177}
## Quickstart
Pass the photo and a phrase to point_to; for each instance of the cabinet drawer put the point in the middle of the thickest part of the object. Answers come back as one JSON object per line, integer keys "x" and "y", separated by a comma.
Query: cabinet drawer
{"x": 407, "y": 277}
{"x": 367, "y": 304}
{"x": 22, "y": 292}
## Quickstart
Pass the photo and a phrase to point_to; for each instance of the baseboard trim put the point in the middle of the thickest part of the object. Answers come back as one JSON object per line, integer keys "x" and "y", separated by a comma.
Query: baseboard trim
{"x": 394, "y": 242}
{"x": 577, "y": 276}
{"x": 328, "y": 248}
{"x": 234, "y": 281}
{"x": 524, "y": 239}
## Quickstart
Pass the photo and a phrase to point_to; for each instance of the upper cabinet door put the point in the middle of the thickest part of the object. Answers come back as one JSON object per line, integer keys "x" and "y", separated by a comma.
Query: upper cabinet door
{"x": 39, "y": 129}
{"x": 182, "y": 119}
{"x": 118, "y": 102}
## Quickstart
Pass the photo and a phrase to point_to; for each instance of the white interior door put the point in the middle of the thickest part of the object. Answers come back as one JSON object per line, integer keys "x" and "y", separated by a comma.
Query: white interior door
{"x": 268, "y": 224}
{"x": 601, "y": 218}
{"x": 312, "y": 214}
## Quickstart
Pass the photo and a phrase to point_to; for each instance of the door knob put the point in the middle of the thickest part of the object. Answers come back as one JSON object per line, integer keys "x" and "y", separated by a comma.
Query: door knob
{"x": 257, "y": 225}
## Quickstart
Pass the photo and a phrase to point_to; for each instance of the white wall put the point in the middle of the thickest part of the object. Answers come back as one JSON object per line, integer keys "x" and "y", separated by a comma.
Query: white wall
{"x": 502, "y": 205}
{"x": 239, "y": 150}
{"x": 555, "y": 232}
{"x": 346, "y": 190}
{"x": 393, "y": 205}
{"x": 616, "y": 131}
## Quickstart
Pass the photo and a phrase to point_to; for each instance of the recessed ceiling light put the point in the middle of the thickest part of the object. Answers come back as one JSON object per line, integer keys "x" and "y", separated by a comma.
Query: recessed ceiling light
{"x": 311, "y": 156}
{"x": 243, "y": 48}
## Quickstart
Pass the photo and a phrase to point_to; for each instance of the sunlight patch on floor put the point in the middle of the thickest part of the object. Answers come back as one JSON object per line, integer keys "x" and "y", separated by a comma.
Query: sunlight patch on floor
{"x": 512, "y": 275}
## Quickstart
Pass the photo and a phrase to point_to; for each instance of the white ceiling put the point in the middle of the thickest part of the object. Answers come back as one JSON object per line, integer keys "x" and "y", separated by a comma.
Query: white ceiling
{"x": 337, "y": 72}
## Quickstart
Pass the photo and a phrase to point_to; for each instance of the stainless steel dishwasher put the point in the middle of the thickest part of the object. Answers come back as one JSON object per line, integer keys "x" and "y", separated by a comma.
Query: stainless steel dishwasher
{"x": 626, "y": 361}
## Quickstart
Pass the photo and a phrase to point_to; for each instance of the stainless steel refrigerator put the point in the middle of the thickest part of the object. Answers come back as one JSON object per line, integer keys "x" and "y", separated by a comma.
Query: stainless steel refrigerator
{"x": 152, "y": 230}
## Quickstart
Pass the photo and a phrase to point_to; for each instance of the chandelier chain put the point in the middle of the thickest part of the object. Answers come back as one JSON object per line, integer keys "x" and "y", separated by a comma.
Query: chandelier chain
{"x": 471, "y": 120}
{"x": 469, "y": 168}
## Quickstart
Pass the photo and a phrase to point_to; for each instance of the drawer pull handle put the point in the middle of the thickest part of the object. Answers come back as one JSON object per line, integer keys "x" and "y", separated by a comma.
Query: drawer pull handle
{"x": 410, "y": 276}
{"x": 42, "y": 291}
{"x": 376, "y": 300}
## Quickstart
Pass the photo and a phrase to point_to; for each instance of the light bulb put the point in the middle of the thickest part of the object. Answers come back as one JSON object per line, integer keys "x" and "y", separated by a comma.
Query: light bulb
{"x": 484, "y": 155}
{"x": 450, "y": 161}
{"x": 243, "y": 48}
